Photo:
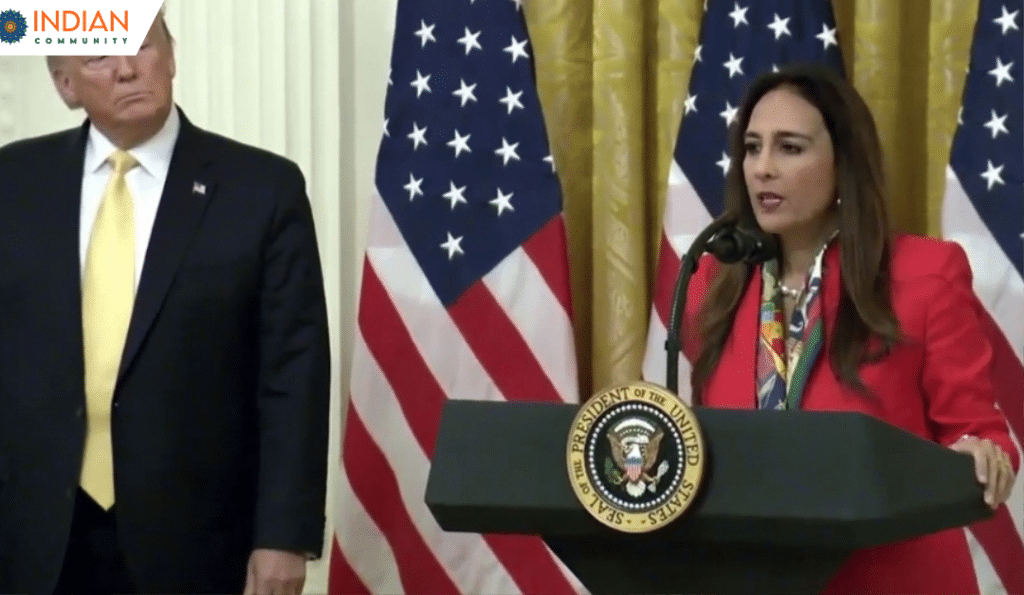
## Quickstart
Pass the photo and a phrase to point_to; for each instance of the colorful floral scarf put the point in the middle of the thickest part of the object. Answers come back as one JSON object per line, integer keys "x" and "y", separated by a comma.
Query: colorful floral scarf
{"x": 781, "y": 379}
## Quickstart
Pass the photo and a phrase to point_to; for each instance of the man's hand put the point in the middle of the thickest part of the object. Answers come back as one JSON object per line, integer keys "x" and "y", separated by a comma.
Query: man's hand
{"x": 991, "y": 467}
{"x": 274, "y": 572}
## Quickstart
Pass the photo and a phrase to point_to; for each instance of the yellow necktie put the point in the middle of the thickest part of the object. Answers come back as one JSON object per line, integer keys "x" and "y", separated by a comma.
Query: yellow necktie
{"x": 108, "y": 292}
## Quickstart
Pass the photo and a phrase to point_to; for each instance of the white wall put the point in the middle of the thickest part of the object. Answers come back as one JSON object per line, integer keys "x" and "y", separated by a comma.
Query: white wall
{"x": 303, "y": 78}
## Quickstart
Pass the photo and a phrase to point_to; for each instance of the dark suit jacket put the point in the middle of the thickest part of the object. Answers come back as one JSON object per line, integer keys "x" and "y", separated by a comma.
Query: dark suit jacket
{"x": 220, "y": 414}
{"x": 937, "y": 384}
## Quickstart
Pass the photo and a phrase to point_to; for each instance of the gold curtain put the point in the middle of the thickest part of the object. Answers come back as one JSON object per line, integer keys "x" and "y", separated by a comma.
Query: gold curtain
{"x": 612, "y": 76}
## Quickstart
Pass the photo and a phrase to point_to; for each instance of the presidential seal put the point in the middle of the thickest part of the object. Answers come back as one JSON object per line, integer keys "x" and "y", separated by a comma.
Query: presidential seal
{"x": 635, "y": 457}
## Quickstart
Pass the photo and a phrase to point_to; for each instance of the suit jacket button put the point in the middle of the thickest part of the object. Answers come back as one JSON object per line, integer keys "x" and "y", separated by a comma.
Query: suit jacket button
{"x": 79, "y": 412}
{"x": 70, "y": 493}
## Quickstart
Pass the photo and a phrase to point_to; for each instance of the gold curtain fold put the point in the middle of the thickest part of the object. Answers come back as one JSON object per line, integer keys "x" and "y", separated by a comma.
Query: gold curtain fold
{"x": 612, "y": 77}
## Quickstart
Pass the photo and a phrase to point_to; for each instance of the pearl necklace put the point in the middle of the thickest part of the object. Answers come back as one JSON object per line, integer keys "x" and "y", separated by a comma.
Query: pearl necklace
{"x": 790, "y": 292}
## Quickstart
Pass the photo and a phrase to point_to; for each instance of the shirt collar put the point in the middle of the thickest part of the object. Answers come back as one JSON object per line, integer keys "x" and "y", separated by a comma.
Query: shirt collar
{"x": 154, "y": 155}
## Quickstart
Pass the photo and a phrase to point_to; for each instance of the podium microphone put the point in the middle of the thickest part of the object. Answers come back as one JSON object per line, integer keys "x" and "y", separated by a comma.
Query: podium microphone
{"x": 732, "y": 244}
{"x": 729, "y": 244}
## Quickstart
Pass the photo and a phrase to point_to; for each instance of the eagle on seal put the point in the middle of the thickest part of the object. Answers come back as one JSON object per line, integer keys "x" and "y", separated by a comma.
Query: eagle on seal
{"x": 635, "y": 454}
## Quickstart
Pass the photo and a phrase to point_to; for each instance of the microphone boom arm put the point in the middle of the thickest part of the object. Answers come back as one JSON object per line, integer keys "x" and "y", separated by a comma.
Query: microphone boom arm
{"x": 687, "y": 268}
{"x": 727, "y": 243}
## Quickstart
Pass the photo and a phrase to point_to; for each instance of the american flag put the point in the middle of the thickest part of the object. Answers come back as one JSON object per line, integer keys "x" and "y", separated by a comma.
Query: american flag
{"x": 739, "y": 40}
{"x": 983, "y": 210}
{"x": 465, "y": 294}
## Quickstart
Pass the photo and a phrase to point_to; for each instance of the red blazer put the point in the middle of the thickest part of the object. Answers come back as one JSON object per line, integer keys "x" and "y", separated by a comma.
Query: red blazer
{"x": 936, "y": 384}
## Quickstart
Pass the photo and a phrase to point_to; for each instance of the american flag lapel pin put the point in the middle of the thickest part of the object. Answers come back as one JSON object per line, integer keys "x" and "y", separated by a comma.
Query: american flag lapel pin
{"x": 199, "y": 188}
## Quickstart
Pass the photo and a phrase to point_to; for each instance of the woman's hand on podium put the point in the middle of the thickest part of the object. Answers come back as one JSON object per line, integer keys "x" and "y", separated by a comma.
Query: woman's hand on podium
{"x": 991, "y": 466}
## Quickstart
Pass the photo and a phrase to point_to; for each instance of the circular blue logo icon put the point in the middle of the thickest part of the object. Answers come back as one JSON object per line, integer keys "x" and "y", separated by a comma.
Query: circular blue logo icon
{"x": 12, "y": 26}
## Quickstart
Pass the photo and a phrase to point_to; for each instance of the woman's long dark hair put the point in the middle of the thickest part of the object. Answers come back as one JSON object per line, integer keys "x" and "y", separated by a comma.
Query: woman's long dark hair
{"x": 865, "y": 306}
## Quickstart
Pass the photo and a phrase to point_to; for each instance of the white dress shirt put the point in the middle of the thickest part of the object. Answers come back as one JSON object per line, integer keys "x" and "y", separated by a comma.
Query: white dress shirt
{"x": 145, "y": 182}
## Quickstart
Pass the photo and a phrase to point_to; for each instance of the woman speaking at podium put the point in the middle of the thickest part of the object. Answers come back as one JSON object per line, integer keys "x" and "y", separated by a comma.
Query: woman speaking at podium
{"x": 847, "y": 317}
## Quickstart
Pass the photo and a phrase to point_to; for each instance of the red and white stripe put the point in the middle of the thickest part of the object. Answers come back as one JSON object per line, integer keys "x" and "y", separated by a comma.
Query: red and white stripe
{"x": 509, "y": 337}
{"x": 997, "y": 546}
{"x": 685, "y": 217}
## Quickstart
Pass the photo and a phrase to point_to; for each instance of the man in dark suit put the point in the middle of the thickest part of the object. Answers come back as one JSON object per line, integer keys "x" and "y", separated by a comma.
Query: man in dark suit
{"x": 164, "y": 362}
